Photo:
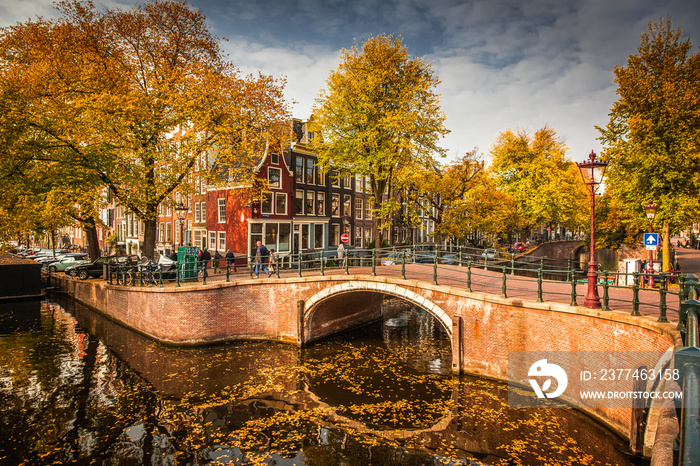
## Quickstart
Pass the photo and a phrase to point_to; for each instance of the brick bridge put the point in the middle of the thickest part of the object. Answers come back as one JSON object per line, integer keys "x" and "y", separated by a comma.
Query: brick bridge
{"x": 482, "y": 327}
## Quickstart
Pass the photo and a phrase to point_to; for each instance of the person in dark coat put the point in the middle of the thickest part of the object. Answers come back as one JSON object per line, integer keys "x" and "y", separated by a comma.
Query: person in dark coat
{"x": 204, "y": 258}
{"x": 230, "y": 260}
{"x": 261, "y": 254}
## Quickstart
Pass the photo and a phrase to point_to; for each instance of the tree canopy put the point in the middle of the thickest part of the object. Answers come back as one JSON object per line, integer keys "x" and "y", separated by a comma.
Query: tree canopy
{"x": 534, "y": 170}
{"x": 653, "y": 137}
{"x": 379, "y": 116}
{"x": 132, "y": 99}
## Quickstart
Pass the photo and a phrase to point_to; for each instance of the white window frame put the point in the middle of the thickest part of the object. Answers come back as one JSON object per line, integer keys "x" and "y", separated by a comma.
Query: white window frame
{"x": 281, "y": 196}
{"x": 221, "y": 245}
{"x": 359, "y": 208}
{"x": 270, "y": 208}
{"x": 221, "y": 210}
{"x": 277, "y": 185}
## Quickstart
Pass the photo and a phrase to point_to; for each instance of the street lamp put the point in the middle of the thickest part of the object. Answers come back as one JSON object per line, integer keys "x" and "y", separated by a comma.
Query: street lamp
{"x": 650, "y": 210}
{"x": 181, "y": 211}
{"x": 592, "y": 172}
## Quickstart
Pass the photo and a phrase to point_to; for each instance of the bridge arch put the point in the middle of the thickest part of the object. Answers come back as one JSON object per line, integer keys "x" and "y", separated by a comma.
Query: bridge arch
{"x": 313, "y": 303}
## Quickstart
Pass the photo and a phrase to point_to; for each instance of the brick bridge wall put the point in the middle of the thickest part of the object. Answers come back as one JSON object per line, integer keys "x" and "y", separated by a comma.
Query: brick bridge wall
{"x": 483, "y": 328}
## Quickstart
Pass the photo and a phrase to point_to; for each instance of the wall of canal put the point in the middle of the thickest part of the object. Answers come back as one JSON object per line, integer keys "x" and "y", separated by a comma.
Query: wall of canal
{"x": 483, "y": 328}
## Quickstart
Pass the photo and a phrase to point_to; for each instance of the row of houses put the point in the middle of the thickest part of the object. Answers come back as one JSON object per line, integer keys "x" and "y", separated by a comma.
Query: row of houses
{"x": 301, "y": 209}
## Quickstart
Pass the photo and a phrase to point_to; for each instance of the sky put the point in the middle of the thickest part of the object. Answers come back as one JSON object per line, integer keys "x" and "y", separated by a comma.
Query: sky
{"x": 503, "y": 64}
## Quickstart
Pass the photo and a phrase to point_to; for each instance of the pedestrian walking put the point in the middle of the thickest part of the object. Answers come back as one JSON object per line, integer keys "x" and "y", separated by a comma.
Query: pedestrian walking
{"x": 230, "y": 260}
{"x": 204, "y": 258}
{"x": 261, "y": 254}
{"x": 341, "y": 254}
{"x": 217, "y": 261}
{"x": 272, "y": 263}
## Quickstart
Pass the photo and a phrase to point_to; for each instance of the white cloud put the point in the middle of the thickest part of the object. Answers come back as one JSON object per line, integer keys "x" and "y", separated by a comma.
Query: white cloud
{"x": 503, "y": 63}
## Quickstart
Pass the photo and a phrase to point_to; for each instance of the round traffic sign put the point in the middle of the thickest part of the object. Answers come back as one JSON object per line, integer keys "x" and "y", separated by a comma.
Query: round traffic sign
{"x": 344, "y": 238}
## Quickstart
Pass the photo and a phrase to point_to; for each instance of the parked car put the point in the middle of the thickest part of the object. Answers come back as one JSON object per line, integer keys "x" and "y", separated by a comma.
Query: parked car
{"x": 489, "y": 254}
{"x": 449, "y": 259}
{"x": 423, "y": 258}
{"x": 94, "y": 269}
{"x": 69, "y": 260}
{"x": 518, "y": 247}
{"x": 393, "y": 258}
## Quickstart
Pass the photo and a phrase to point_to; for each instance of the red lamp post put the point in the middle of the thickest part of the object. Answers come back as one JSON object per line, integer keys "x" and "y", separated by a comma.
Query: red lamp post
{"x": 592, "y": 172}
{"x": 650, "y": 210}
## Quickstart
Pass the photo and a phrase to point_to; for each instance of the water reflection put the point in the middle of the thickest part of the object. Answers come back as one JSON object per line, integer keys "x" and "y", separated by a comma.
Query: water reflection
{"x": 80, "y": 389}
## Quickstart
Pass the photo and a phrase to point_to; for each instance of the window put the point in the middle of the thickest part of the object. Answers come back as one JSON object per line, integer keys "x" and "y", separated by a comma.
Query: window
{"x": 222, "y": 210}
{"x": 368, "y": 236}
{"x": 309, "y": 202}
{"x": 335, "y": 205}
{"x": 335, "y": 178}
{"x": 212, "y": 240}
{"x": 309, "y": 171}
{"x": 299, "y": 170}
{"x": 318, "y": 236}
{"x": 358, "y": 209}
{"x": 358, "y": 237}
{"x": 198, "y": 238}
{"x": 368, "y": 210}
{"x": 222, "y": 241}
{"x": 335, "y": 235}
{"x": 274, "y": 177}
{"x": 161, "y": 232}
{"x": 304, "y": 236}
{"x": 284, "y": 237}
{"x": 203, "y": 211}
{"x": 347, "y": 204}
{"x": 168, "y": 231}
{"x": 271, "y": 235}
{"x": 256, "y": 230}
{"x": 196, "y": 212}
{"x": 320, "y": 207}
{"x": 275, "y": 158}
{"x": 266, "y": 203}
{"x": 320, "y": 177}
{"x": 299, "y": 202}
{"x": 280, "y": 203}
{"x": 346, "y": 182}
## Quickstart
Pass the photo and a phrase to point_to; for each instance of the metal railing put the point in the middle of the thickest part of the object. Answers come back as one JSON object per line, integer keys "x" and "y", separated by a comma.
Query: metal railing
{"x": 687, "y": 361}
{"x": 508, "y": 275}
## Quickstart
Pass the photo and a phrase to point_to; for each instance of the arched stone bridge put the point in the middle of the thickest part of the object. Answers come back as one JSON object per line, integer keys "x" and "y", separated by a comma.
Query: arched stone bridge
{"x": 483, "y": 328}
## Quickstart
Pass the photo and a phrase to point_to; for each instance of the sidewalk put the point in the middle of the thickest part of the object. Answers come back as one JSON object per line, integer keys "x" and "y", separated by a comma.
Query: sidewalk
{"x": 689, "y": 260}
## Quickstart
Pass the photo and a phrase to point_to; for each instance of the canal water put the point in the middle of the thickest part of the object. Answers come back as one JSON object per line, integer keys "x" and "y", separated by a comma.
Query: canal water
{"x": 75, "y": 388}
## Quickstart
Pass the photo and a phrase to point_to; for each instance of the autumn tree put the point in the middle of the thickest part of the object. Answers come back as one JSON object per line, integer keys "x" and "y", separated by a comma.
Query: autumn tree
{"x": 652, "y": 139}
{"x": 615, "y": 225}
{"x": 486, "y": 209}
{"x": 440, "y": 187}
{"x": 534, "y": 170}
{"x": 133, "y": 99}
{"x": 379, "y": 117}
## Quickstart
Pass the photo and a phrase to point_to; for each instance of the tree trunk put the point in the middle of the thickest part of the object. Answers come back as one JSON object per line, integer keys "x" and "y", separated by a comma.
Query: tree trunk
{"x": 149, "y": 238}
{"x": 91, "y": 235}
